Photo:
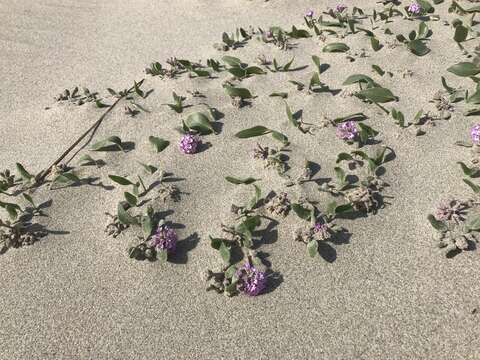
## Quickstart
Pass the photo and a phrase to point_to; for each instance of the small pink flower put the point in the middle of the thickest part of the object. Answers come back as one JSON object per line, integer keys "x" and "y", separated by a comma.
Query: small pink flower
{"x": 475, "y": 134}
{"x": 189, "y": 143}
{"x": 347, "y": 131}
{"x": 414, "y": 8}
{"x": 340, "y": 8}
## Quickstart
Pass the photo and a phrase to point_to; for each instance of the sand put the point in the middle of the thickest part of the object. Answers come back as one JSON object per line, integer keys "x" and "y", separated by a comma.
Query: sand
{"x": 386, "y": 293}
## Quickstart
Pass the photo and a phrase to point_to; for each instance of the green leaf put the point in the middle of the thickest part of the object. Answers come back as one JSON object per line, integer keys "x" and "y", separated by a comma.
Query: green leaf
{"x": 437, "y": 225}
{"x": 236, "y": 91}
{"x": 398, "y": 116}
{"x": 131, "y": 199}
{"x": 474, "y": 224}
{"x": 24, "y": 174}
{"x": 232, "y": 61}
{"x": 237, "y": 181}
{"x": 137, "y": 90}
{"x": 162, "y": 255}
{"x": 87, "y": 160}
{"x": 280, "y": 137}
{"x": 302, "y": 212}
{"x": 446, "y": 87}
{"x": 464, "y": 69}
{"x": 124, "y": 217}
{"x": 11, "y": 208}
{"x": 158, "y": 143}
{"x": 120, "y": 180}
{"x": 314, "y": 81}
{"x": 316, "y": 61}
{"x": 66, "y": 178}
{"x": 375, "y": 43}
{"x": 378, "y": 70}
{"x": 215, "y": 242}
{"x": 100, "y": 105}
{"x": 343, "y": 156}
{"x": 230, "y": 272}
{"x": 461, "y": 33}
{"x": 336, "y": 47}
{"x": 254, "y": 70}
{"x": 149, "y": 168}
{"x": 225, "y": 253}
{"x": 201, "y": 73}
{"x": 112, "y": 141}
{"x": 475, "y": 98}
{"x": 356, "y": 117}
{"x": 426, "y": 6}
{"x": 29, "y": 199}
{"x": 12, "y": 211}
{"x": 418, "y": 47}
{"x": 147, "y": 225}
{"x": 470, "y": 172}
{"x": 380, "y": 156}
{"x": 340, "y": 174}
{"x": 252, "y": 132}
{"x": 238, "y": 72}
{"x": 423, "y": 30}
{"x": 376, "y": 95}
{"x": 312, "y": 248}
{"x": 470, "y": 112}
{"x": 357, "y": 78}
{"x": 331, "y": 208}
{"x": 283, "y": 95}
{"x": 256, "y": 198}
{"x": 475, "y": 188}
{"x": 199, "y": 122}
{"x": 366, "y": 132}
{"x": 249, "y": 224}
{"x": 290, "y": 116}
{"x": 344, "y": 208}
{"x": 367, "y": 32}
{"x": 287, "y": 66}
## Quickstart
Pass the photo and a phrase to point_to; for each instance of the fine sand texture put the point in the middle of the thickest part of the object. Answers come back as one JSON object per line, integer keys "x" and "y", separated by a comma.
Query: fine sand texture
{"x": 383, "y": 292}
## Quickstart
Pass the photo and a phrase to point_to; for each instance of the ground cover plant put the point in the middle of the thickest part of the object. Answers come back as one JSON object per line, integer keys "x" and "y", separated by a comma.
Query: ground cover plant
{"x": 361, "y": 173}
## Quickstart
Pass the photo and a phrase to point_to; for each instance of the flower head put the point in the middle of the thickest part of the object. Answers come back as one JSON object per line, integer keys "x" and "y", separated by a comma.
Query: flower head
{"x": 414, "y": 8}
{"x": 309, "y": 13}
{"x": 318, "y": 227}
{"x": 475, "y": 134}
{"x": 451, "y": 210}
{"x": 251, "y": 280}
{"x": 321, "y": 231}
{"x": 340, "y": 8}
{"x": 164, "y": 239}
{"x": 189, "y": 143}
{"x": 347, "y": 130}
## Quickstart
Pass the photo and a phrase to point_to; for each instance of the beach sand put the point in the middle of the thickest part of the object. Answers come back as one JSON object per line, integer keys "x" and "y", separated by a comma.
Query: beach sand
{"x": 387, "y": 292}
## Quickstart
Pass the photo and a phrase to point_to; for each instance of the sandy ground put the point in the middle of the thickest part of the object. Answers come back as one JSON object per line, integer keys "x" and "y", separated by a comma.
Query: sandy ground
{"x": 387, "y": 293}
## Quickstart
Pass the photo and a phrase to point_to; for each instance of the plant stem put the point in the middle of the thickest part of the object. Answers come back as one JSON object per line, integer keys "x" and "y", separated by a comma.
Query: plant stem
{"x": 43, "y": 174}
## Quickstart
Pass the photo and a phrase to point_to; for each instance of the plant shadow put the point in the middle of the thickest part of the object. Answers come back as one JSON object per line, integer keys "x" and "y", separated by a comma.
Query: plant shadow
{"x": 183, "y": 248}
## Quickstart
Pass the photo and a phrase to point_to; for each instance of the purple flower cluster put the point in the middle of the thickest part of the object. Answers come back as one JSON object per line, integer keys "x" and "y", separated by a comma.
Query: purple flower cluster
{"x": 340, "y": 8}
{"x": 347, "y": 131}
{"x": 251, "y": 280}
{"x": 475, "y": 134}
{"x": 164, "y": 239}
{"x": 414, "y": 8}
{"x": 189, "y": 143}
{"x": 321, "y": 231}
{"x": 309, "y": 13}
{"x": 319, "y": 227}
